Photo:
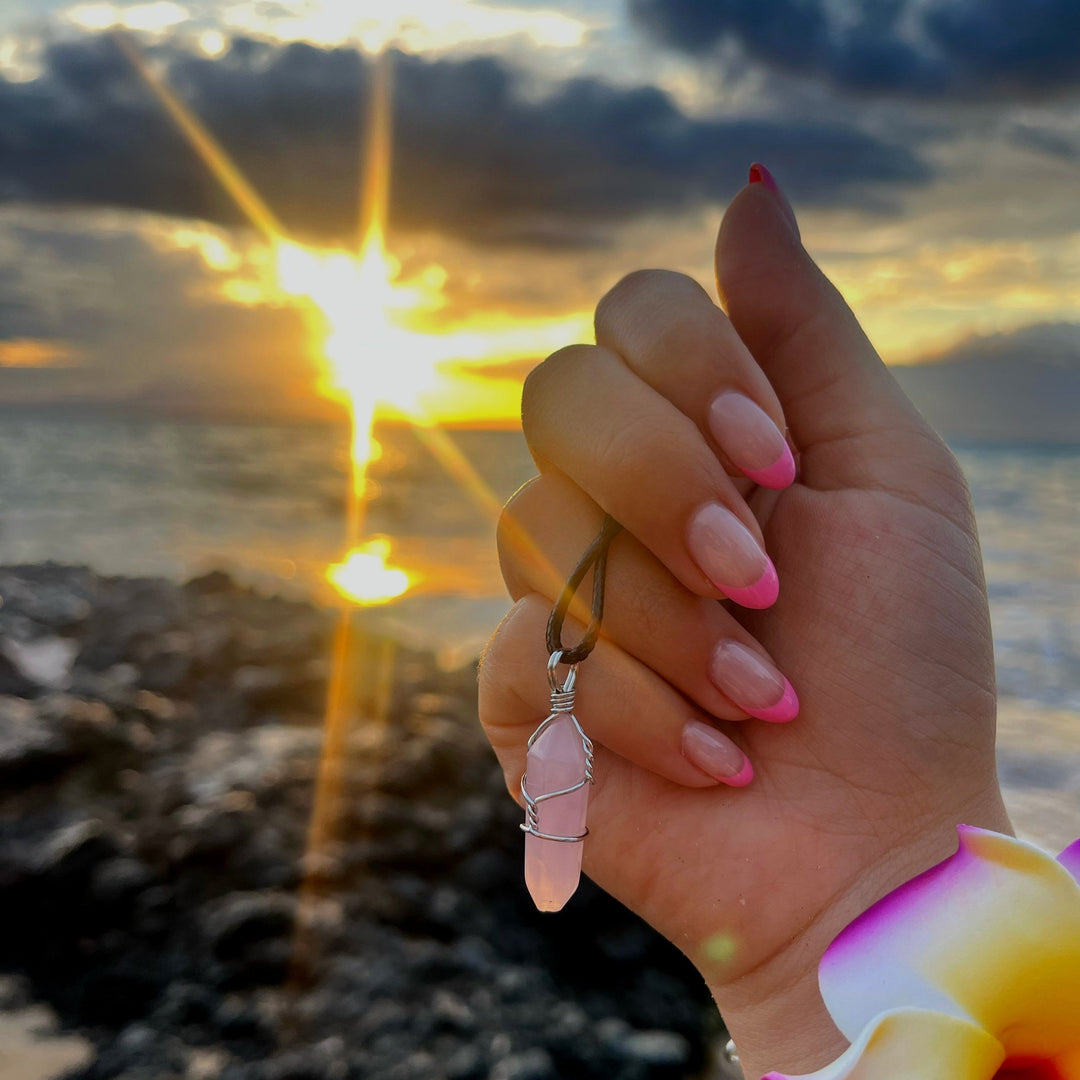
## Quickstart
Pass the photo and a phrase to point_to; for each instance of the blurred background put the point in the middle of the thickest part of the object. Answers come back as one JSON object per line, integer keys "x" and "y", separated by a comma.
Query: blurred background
{"x": 272, "y": 273}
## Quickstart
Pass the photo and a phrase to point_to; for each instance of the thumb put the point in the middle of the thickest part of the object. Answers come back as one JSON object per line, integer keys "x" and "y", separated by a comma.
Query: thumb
{"x": 847, "y": 414}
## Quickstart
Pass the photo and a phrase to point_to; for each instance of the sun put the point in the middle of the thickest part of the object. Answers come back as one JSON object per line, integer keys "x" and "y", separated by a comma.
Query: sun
{"x": 373, "y": 359}
{"x": 362, "y": 313}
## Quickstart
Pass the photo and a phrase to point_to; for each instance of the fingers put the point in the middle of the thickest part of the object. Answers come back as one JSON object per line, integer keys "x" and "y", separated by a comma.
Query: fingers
{"x": 641, "y": 459}
{"x": 622, "y": 705}
{"x": 691, "y": 642}
{"x": 849, "y": 418}
{"x": 678, "y": 341}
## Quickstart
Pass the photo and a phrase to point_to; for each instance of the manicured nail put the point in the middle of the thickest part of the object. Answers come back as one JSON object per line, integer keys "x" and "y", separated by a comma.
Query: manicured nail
{"x": 753, "y": 683}
{"x": 751, "y": 439}
{"x": 760, "y": 175}
{"x": 716, "y": 755}
{"x": 731, "y": 558}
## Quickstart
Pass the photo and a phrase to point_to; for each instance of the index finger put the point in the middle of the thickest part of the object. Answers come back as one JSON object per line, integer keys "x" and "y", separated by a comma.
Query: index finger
{"x": 674, "y": 337}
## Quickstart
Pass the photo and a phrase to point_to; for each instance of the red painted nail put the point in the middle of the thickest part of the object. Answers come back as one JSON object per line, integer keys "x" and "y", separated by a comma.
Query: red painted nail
{"x": 760, "y": 175}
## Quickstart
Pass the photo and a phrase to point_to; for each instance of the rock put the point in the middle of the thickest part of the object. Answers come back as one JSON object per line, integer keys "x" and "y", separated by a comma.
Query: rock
{"x": 452, "y": 1013}
{"x": 206, "y": 1064}
{"x": 13, "y": 681}
{"x": 120, "y": 880}
{"x": 186, "y": 1004}
{"x": 657, "y": 1049}
{"x": 45, "y": 661}
{"x": 28, "y": 747}
{"x": 15, "y": 993}
{"x": 32, "y": 1049}
{"x": 534, "y": 1064}
{"x": 466, "y": 1063}
{"x": 76, "y": 850}
{"x": 239, "y": 919}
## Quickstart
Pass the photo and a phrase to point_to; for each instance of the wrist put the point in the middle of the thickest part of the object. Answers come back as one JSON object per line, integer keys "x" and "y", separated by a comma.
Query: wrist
{"x": 774, "y": 1012}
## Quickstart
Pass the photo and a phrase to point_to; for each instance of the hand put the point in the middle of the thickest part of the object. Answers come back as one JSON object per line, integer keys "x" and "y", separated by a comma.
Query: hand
{"x": 881, "y": 624}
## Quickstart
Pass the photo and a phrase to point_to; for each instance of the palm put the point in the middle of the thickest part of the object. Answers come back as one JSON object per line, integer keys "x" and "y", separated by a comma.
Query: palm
{"x": 882, "y": 625}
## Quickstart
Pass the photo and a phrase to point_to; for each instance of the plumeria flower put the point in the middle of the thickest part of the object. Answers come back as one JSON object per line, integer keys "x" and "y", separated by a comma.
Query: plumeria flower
{"x": 970, "y": 971}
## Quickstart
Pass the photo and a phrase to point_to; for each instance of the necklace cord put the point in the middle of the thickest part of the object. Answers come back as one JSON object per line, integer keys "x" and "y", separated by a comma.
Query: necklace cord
{"x": 595, "y": 559}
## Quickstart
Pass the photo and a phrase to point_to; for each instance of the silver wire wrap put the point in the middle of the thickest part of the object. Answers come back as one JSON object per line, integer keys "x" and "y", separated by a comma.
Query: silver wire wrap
{"x": 562, "y": 704}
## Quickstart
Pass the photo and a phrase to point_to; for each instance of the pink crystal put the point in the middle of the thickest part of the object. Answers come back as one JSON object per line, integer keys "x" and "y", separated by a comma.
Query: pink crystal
{"x": 556, "y": 761}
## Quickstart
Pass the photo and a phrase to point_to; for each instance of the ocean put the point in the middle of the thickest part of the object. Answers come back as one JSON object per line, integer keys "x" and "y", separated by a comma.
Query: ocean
{"x": 156, "y": 497}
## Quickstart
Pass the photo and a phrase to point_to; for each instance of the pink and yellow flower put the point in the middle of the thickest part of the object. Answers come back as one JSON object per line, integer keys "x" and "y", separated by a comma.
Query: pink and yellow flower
{"x": 970, "y": 971}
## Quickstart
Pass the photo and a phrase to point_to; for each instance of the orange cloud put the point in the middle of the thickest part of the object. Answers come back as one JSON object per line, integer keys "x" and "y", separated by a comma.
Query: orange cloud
{"x": 35, "y": 353}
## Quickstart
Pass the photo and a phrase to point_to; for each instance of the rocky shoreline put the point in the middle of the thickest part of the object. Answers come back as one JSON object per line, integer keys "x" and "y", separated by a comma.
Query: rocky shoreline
{"x": 159, "y": 746}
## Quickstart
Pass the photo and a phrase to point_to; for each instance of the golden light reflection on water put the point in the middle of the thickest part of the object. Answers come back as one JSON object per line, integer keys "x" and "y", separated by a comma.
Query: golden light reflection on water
{"x": 364, "y": 576}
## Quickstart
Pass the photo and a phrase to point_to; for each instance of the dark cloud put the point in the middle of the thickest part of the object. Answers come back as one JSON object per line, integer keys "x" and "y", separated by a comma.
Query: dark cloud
{"x": 1045, "y": 141}
{"x": 926, "y": 47}
{"x": 1020, "y": 386}
{"x": 474, "y": 156}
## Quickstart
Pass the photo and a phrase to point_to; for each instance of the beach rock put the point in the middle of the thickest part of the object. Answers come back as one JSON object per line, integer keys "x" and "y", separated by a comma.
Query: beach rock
{"x": 13, "y": 681}
{"x": 535, "y": 1064}
{"x": 43, "y": 661}
{"x": 155, "y": 855}
{"x": 240, "y": 920}
{"x": 657, "y": 1049}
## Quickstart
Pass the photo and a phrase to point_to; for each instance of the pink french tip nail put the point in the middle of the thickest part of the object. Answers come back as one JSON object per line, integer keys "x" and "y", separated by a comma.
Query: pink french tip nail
{"x": 780, "y": 474}
{"x": 741, "y": 778}
{"x": 787, "y": 708}
{"x": 761, "y": 594}
{"x": 715, "y": 754}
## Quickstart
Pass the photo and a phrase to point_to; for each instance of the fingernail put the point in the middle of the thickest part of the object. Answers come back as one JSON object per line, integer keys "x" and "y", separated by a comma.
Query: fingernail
{"x": 731, "y": 558}
{"x": 760, "y": 175}
{"x": 753, "y": 683}
{"x": 716, "y": 755}
{"x": 750, "y": 438}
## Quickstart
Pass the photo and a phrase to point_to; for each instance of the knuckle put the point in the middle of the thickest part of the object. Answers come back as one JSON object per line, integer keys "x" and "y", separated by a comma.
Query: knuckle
{"x": 643, "y": 294}
{"x": 540, "y": 391}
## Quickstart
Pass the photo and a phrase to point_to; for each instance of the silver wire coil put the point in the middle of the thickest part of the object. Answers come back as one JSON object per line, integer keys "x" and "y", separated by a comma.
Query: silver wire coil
{"x": 562, "y": 704}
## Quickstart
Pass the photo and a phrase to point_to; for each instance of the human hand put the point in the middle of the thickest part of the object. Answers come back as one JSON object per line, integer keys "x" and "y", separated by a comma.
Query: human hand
{"x": 881, "y": 624}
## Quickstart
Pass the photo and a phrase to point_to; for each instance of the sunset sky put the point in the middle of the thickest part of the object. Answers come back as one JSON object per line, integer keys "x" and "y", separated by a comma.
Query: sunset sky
{"x": 541, "y": 151}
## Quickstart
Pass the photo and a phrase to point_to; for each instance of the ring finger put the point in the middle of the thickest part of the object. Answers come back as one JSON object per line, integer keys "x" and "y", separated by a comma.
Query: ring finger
{"x": 693, "y": 643}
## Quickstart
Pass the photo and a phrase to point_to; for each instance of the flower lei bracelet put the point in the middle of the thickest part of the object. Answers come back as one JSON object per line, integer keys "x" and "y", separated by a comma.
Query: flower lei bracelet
{"x": 970, "y": 971}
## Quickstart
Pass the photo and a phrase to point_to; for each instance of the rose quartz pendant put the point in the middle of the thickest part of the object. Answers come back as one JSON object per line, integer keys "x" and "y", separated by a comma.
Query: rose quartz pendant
{"x": 556, "y": 792}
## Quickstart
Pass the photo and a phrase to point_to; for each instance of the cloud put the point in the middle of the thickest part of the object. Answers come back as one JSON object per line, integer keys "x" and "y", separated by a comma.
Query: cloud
{"x": 962, "y": 48}
{"x": 1022, "y": 386}
{"x": 1045, "y": 140}
{"x": 137, "y": 320}
{"x": 475, "y": 156}
{"x": 36, "y": 353}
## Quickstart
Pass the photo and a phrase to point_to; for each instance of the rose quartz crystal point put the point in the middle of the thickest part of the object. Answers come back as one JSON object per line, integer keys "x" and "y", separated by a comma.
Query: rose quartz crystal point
{"x": 556, "y": 761}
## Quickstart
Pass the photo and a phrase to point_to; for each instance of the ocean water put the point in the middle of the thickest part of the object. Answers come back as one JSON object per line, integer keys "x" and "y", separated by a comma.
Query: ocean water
{"x": 266, "y": 502}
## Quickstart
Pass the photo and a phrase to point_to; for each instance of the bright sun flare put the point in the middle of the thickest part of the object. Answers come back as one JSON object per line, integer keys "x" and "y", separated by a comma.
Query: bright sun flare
{"x": 373, "y": 358}
{"x": 376, "y": 353}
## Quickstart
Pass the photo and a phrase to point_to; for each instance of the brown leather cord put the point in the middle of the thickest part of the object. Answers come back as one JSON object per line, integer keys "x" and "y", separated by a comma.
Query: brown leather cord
{"x": 595, "y": 558}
